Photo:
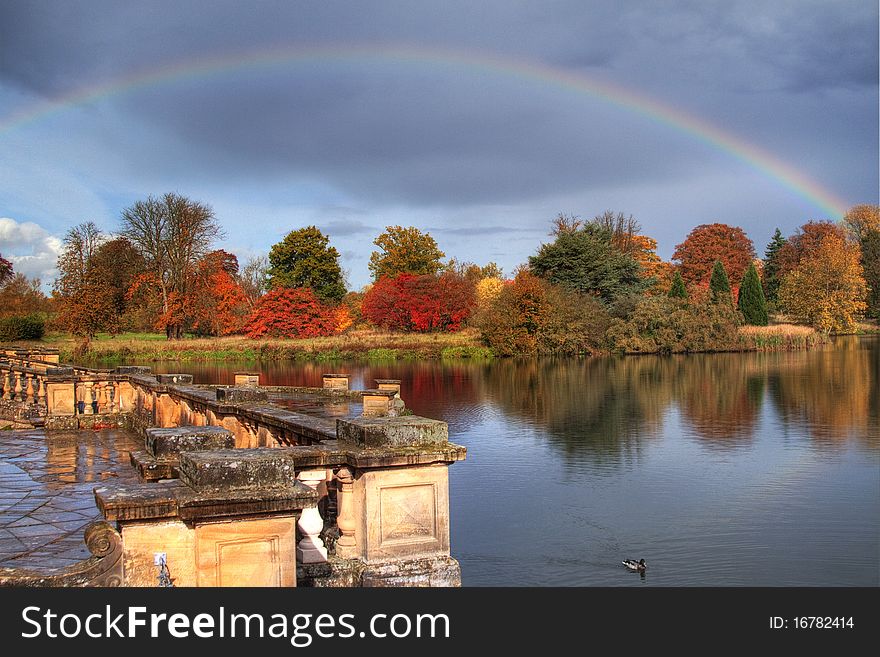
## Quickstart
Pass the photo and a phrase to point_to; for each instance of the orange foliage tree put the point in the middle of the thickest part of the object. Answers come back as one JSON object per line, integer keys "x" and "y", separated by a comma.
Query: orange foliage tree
{"x": 420, "y": 303}
{"x": 220, "y": 305}
{"x": 293, "y": 312}
{"x": 805, "y": 244}
{"x": 644, "y": 250}
{"x": 709, "y": 243}
{"x": 827, "y": 288}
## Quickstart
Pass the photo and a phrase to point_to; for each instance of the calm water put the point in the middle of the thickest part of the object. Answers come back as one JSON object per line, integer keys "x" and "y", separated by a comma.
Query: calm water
{"x": 722, "y": 469}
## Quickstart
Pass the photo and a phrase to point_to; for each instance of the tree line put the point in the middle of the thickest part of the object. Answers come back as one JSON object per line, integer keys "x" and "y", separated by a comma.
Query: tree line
{"x": 596, "y": 285}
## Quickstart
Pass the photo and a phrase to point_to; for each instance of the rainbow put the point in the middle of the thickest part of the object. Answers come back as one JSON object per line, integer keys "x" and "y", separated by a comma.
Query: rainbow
{"x": 650, "y": 108}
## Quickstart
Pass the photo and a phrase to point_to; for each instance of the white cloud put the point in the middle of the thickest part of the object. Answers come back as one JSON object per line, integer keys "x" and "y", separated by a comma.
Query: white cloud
{"x": 31, "y": 249}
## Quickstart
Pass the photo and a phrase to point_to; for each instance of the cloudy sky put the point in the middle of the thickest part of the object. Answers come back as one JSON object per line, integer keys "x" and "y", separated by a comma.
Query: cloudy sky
{"x": 478, "y": 121}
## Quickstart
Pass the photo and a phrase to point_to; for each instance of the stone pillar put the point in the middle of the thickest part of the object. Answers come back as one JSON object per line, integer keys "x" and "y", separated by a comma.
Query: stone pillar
{"x": 346, "y": 546}
{"x": 335, "y": 381}
{"x": 311, "y": 548}
{"x": 388, "y": 384}
{"x": 247, "y": 379}
{"x": 377, "y": 402}
{"x": 60, "y": 397}
{"x": 229, "y": 521}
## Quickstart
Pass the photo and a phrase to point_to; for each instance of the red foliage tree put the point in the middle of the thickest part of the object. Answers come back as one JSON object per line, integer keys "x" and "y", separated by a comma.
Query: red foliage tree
{"x": 805, "y": 243}
{"x": 219, "y": 305}
{"x": 420, "y": 303}
{"x": 710, "y": 242}
{"x": 292, "y": 312}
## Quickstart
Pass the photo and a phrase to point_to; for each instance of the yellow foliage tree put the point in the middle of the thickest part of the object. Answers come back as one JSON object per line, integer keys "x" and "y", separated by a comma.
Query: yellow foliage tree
{"x": 861, "y": 220}
{"x": 826, "y": 290}
{"x": 488, "y": 290}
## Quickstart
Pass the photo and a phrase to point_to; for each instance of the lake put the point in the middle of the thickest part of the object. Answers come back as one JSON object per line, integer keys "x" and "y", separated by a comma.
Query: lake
{"x": 758, "y": 469}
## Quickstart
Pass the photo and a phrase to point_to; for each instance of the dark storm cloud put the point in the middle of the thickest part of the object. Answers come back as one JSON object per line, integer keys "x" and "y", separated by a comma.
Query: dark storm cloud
{"x": 427, "y": 135}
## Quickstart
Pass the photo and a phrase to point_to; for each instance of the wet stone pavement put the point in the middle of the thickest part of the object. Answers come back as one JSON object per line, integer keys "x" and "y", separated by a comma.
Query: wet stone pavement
{"x": 46, "y": 484}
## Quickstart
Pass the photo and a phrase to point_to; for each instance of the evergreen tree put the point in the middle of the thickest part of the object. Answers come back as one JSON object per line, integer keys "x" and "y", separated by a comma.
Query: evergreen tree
{"x": 719, "y": 284}
{"x": 771, "y": 267}
{"x": 678, "y": 290}
{"x": 304, "y": 258}
{"x": 586, "y": 261}
{"x": 751, "y": 302}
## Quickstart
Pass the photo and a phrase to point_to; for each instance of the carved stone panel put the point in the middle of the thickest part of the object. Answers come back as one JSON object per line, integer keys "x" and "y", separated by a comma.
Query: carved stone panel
{"x": 247, "y": 552}
{"x": 402, "y": 513}
{"x": 61, "y": 398}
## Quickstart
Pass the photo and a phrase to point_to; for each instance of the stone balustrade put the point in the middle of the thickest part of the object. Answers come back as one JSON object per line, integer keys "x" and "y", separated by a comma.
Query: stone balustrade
{"x": 355, "y": 501}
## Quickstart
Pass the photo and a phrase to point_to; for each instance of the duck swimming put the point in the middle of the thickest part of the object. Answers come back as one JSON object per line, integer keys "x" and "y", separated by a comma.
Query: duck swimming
{"x": 635, "y": 566}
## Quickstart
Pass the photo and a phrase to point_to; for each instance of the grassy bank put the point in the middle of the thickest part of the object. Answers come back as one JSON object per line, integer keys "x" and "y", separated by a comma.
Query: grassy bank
{"x": 364, "y": 345}
{"x": 355, "y": 345}
{"x": 780, "y": 337}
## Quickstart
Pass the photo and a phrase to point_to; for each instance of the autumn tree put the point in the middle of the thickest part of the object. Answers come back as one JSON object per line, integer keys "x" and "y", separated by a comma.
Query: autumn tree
{"x": 623, "y": 230}
{"x": 750, "y": 301}
{"x": 304, "y": 258}
{"x": 719, "y": 285}
{"x": 21, "y": 295}
{"x": 5, "y": 270}
{"x": 291, "y": 312}
{"x": 530, "y": 315}
{"x": 220, "y": 306}
{"x": 586, "y": 261}
{"x": 172, "y": 233}
{"x": 862, "y": 222}
{"x": 677, "y": 290}
{"x": 710, "y": 243}
{"x": 643, "y": 250}
{"x": 405, "y": 251}
{"x": 805, "y": 243}
{"x": 118, "y": 263}
{"x": 85, "y": 298}
{"x": 772, "y": 274}
{"x": 420, "y": 303}
{"x": 254, "y": 278}
{"x": 826, "y": 289}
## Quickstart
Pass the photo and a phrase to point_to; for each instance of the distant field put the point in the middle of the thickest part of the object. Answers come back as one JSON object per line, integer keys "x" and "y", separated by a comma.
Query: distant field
{"x": 359, "y": 344}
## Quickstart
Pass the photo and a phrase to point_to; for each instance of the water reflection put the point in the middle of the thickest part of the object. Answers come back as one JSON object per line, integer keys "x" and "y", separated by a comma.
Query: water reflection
{"x": 606, "y": 407}
{"x": 718, "y": 469}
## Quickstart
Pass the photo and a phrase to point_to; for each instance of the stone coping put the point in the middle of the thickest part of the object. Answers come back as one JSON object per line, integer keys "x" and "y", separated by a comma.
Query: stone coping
{"x": 383, "y": 431}
{"x": 170, "y": 442}
{"x": 177, "y": 500}
{"x": 377, "y": 392}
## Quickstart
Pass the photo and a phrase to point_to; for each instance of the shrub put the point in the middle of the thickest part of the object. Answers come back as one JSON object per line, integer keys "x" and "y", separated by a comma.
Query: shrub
{"x": 292, "y": 313}
{"x": 533, "y": 316}
{"x": 22, "y": 327}
{"x": 419, "y": 303}
{"x": 664, "y": 325}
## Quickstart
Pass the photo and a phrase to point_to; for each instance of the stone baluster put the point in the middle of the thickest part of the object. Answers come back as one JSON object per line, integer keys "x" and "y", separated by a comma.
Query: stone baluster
{"x": 102, "y": 397}
{"x": 88, "y": 398}
{"x": 311, "y": 548}
{"x": 44, "y": 393}
{"x": 29, "y": 396}
{"x": 113, "y": 396}
{"x": 4, "y": 382}
{"x": 18, "y": 390}
{"x": 346, "y": 546}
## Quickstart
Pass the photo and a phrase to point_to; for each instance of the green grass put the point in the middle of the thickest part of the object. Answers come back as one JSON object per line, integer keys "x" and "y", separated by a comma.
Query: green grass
{"x": 365, "y": 345}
